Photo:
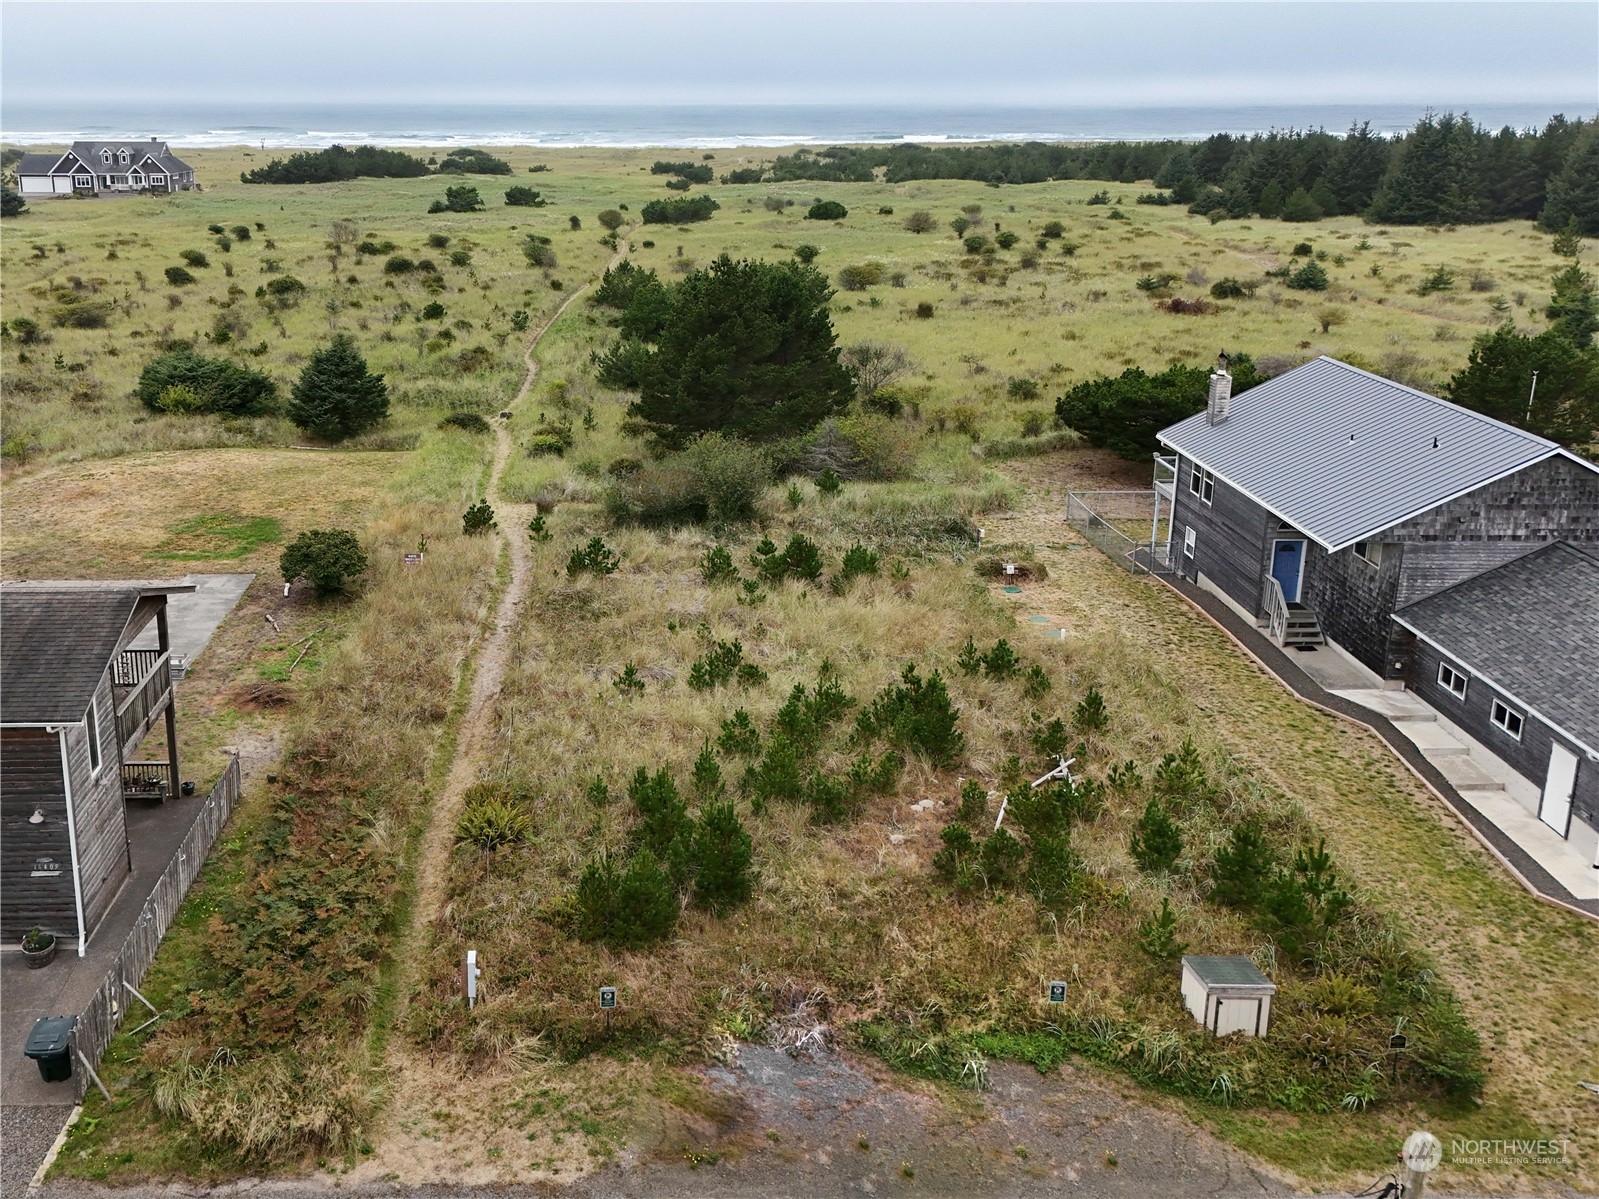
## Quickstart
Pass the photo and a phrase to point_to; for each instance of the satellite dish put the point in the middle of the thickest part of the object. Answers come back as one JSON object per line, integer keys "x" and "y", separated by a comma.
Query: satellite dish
{"x": 1422, "y": 1152}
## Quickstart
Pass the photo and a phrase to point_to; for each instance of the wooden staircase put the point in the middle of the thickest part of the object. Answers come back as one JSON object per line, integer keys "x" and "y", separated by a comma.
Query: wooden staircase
{"x": 1301, "y": 627}
{"x": 1290, "y": 624}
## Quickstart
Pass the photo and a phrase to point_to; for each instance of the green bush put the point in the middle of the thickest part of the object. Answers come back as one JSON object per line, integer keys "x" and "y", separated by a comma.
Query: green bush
{"x": 458, "y": 199}
{"x": 327, "y": 558}
{"x": 478, "y": 519}
{"x": 204, "y": 385}
{"x": 860, "y": 277}
{"x": 1309, "y": 277}
{"x": 523, "y": 197}
{"x": 714, "y": 478}
{"x": 177, "y": 276}
{"x": 469, "y": 422}
{"x": 716, "y": 567}
{"x": 468, "y": 161}
{"x": 738, "y": 736}
{"x": 826, "y": 210}
{"x": 491, "y": 822}
{"x": 1228, "y": 289}
{"x": 807, "y": 253}
{"x": 194, "y": 258}
{"x": 1157, "y": 936}
{"x": 1242, "y": 869}
{"x": 398, "y": 264}
{"x": 682, "y": 211}
{"x": 1090, "y": 716}
{"x": 722, "y": 663}
{"x": 433, "y": 311}
{"x": 800, "y": 559}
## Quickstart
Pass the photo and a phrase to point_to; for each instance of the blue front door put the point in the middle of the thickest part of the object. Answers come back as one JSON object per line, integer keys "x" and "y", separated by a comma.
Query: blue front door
{"x": 1287, "y": 559}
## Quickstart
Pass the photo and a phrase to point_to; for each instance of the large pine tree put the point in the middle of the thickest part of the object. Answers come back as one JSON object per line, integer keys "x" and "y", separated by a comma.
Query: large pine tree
{"x": 1497, "y": 380}
{"x": 336, "y": 396}
{"x": 1574, "y": 193}
{"x": 745, "y": 348}
{"x": 1432, "y": 179}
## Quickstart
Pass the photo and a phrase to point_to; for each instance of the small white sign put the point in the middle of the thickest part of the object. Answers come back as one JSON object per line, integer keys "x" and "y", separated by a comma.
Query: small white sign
{"x": 1057, "y": 991}
{"x": 607, "y": 998}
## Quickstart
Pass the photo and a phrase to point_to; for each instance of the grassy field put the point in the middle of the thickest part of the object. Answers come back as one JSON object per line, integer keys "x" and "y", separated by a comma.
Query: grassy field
{"x": 284, "y": 953}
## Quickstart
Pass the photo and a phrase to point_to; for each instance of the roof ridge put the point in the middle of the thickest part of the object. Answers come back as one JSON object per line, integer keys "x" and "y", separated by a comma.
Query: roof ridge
{"x": 1439, "y": 400}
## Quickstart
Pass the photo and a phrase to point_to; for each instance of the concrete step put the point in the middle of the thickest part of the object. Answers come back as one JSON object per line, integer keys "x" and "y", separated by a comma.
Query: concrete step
{"x": 1431, "y": 739}
{"x": 1463, "y": 773}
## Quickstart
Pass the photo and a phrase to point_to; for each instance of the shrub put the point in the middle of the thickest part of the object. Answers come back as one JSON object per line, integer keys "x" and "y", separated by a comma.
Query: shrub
{"x": 1440, "y": 279}
{"x": 458, "y": 199}
{"x": 1005, "y": 240}
{"x": 859, "y": 278}
{"x": 975, "y": 244}
{"x": 1023, "y": 389}
{"x": 610, "y": 219}
{"x": 800, "y": 559}
{"x": 327, "y": 558}
{"x": 682, "y": 211}
{"x": 1228, "y": 289}
{"x": 916, "y": 715}
{"x": 595, "y": 558}
{"x": 858, "y": 561}
{"x": 337, "y": 163}
{"x": 1125, "y": 414}
{"x": 1054, "y": 229}
{"x": 921, "y": 221}
{"x": 538, "y": 252}
{"x": 183, "y": 381}
{"x": 490, "y": 822}
{"x": 398, "y": 264}
{"x": 924, "y": 310}
{"x": 1000, "y": 662}
{"x": 739, "y": 736}
{"x": 806, "y": 253}
{"x": 716, "y": 567}
{"x": 468, "y": 161}
{"x": 336, "y": 396}
{"x": 826, "y": 210}
{"x": 625, "y": 908}
{"x": 195, "y": 258}
{"x": 433, "y": 312}
{"x": 1309, "y": 277}
{"x": 284, "y": 291}
{"x": 177, "y": 276}
{"x": 715, "y": 478}
{"x": 469, "y": 422}
{"x": 478, "y": 519}
{"x": 1158, "y": 842}
{"x": 828, "y": 484}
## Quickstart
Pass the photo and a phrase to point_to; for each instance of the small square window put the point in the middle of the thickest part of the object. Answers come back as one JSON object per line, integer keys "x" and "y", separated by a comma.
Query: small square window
{"x": 1506, "y": 718}
{"x": 1451, "y": 680}
{"x": 1202, "y": 483}
{"x": 1188, "y": 541}
{"x": 1369, "y": 552}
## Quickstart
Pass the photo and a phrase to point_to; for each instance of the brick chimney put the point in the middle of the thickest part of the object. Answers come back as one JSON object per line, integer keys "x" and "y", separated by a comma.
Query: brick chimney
{"x": 1220, "y": 400}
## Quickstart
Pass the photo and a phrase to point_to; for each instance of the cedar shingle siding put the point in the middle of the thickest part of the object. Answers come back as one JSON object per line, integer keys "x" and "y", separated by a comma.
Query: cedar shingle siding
{"x": 36, "y": 862}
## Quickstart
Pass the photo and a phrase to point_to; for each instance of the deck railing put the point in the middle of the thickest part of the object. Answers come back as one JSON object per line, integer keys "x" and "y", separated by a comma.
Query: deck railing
{"x": 132, "y": 665}
{"x": 148, "y": 780}
{"x": 97, "y": 1023}
{"x": 144, "y": 699}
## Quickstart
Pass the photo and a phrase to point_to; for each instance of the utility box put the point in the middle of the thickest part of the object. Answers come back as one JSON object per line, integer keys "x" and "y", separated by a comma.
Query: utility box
{"x": 50, "y": 1044}
{"x": 1228, "y": 994}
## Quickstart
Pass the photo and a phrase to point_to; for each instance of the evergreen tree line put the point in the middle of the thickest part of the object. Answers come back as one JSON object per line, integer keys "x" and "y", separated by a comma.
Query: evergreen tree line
{"x": 336, "y": 164}
{"x": 1445, "y": 170}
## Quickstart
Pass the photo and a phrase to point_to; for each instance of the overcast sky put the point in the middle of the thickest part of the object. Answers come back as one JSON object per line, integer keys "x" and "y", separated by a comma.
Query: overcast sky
{"x": 968, "y": 53}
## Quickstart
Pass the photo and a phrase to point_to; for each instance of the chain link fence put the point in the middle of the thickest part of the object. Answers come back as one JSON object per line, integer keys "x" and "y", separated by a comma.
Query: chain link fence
{"x": 1124, "y": 527}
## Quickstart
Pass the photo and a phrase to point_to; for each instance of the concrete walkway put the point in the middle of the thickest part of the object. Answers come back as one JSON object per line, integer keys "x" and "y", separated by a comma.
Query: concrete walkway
{"x": 192, "y": 618}
{"x": 1483, "y": 798}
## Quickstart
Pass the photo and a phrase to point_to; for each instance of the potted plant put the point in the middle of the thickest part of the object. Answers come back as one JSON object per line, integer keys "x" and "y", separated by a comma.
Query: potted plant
{"x": 38, "y": 948}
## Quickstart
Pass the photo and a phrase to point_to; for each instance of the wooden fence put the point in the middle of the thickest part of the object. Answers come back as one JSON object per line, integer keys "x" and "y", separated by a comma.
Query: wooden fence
{"x": 97, "y": 1023}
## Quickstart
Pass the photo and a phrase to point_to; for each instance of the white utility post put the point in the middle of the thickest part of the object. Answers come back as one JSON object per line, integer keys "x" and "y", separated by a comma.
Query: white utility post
{"x": 471, "y": 973}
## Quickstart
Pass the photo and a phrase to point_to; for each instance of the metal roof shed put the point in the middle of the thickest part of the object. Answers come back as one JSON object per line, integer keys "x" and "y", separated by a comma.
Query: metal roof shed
{"x": 1228, "y": 994}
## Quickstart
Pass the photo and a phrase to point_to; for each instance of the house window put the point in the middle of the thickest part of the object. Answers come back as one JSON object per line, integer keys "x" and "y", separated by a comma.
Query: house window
{"x": 1451, "y": 680}
{"x": 105, "y": 157}
{"x": 83, "y": 182}
{"x": 1202, "y": 483}
{"x": 1369, "y": 552}
{"x": 122, "y": 157}
{"x": 91, "y": 724}
{"x": 156, "y": 180}
{"x": 1188, "y": 541}
{"x": 1506, "y": 718}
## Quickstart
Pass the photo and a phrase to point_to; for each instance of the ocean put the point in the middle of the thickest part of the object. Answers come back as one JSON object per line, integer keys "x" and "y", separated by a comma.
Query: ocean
{"x": 290, "y": 126}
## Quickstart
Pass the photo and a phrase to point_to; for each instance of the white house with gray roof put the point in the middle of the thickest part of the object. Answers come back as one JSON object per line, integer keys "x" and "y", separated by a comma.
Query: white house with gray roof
{"x": 101, "y": 168}
{"x": 1433, "y": 544}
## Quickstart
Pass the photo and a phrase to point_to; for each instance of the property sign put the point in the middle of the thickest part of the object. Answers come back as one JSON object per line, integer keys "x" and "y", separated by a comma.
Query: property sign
{"x": 1057, "y": 992}
{"x": 1397, "y": 1041}
{"x": 607, "y": 998}
{"x": 413, "y": 559}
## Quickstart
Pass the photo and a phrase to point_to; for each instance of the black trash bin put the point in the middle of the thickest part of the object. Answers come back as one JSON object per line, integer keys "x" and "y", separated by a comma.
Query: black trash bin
{"x": 50, "y": 1044}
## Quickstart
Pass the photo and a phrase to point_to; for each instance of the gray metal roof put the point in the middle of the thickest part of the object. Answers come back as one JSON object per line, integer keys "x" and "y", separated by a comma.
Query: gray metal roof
{"x": 1531, "y": 629}
{"x": 1342, "y": 454}
{"x": 54, "y": 646}
{"x": 1229, "y": 971}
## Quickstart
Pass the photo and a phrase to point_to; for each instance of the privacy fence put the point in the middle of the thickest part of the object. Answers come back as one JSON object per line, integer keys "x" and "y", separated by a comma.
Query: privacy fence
{"x": 97, "y": 1023}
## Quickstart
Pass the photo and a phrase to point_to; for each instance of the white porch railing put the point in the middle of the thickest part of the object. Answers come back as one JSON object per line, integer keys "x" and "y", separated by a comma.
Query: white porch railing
{"x": 1276, "y": 610}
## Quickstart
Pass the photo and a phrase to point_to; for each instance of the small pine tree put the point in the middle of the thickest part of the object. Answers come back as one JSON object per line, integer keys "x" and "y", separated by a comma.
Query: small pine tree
{"x": 1001, "y": 662}
{"x": 595, "y": 558}
{"x": 723, "y": 877}
{"x": 1054, "y": 871}
{"x": 1036, "y": 682}
{"x": 1157, "y": 936}
{"x": 625, "y": 908}
{"x": 916, "y": 715}
{"x": 1051, "y": 740}
{"x": 828, "y": 483}
{"x": 537, "y": 531}
{"x": 336, "y": 396}
{"x": 663, "y": 816}
{"x": 708, "y": 784}
{"x": 973, "y": 808}
{"x": 478, "y": 519}
{"x": 628, "y": 682}
{"x": 969, "y": 661}
{"x": 739, "y": 737}
{"x": 1181, "y": 776}
{"x": 1242, "y": 868}
{"x": 1568, "y": 242}
{"x": 1158, "y": 842}
{"x": 1001, "y": 860}
{"x": 328, "y": 558}
{"x": 716, "y": 567}
{"x": 1089, "y": 716}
